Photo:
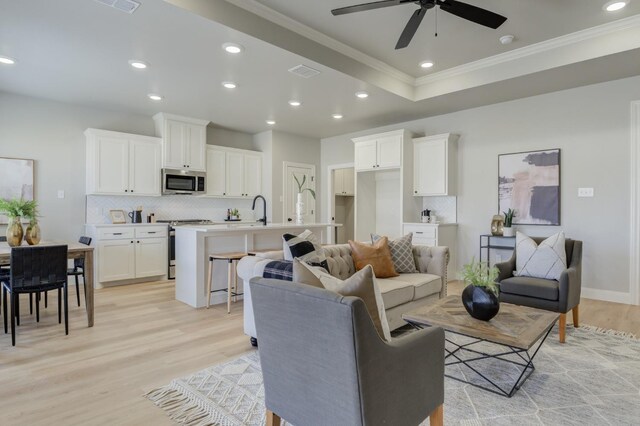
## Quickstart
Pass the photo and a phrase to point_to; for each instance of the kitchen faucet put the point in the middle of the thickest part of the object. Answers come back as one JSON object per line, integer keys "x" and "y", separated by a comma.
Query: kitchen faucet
{"x": 264, "y": 205}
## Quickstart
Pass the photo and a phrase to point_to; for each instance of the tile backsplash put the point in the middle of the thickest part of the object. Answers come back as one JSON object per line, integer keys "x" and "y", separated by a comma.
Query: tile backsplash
{"x": 168, "y": 207}
{"x": 446, "y": 208}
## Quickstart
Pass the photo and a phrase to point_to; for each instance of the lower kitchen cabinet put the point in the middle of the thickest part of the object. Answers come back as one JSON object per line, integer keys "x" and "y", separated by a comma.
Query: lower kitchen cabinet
{"x": 434, "y": 234}
{"x": 129, "y": 252}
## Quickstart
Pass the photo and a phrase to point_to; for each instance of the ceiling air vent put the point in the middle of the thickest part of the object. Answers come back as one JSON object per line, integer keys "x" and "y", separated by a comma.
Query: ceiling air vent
{"x": 304, "y": 71}
{"x": 128, "y": 6}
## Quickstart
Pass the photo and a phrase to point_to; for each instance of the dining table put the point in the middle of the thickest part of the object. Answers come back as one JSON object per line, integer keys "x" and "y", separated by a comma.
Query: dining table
{"x": 74, "y": 251}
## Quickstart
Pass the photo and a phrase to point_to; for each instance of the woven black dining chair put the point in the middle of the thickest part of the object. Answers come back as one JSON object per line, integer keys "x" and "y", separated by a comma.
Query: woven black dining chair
{"x": 78, "y": 270}
{"x": 35, "y": 270}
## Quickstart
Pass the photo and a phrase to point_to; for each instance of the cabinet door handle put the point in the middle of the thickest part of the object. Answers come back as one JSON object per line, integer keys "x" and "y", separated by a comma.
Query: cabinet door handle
{"x": 419, "y": 232}
{"x": 117, "y": 233}
{"x": 151, "y": 232}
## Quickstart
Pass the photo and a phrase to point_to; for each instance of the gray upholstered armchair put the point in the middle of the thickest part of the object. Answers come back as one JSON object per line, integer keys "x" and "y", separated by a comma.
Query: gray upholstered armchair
{"x": 556, "y": 296}
{"x": 323, "y": 362}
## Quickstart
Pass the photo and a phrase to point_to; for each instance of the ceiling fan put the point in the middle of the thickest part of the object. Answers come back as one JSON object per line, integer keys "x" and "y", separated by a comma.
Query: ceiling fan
{"x": 458, "y": 8}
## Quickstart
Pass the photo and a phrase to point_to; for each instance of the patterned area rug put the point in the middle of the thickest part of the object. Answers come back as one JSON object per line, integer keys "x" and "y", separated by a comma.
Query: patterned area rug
{"x": 593, "y": 379}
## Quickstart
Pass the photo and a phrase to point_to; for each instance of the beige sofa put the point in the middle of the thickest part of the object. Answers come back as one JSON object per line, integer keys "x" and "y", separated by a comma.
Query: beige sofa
{"x": 400, "y": 294}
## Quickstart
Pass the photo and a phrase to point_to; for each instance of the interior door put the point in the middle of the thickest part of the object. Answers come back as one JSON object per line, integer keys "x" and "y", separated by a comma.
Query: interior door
{"x": 300, "y": 171}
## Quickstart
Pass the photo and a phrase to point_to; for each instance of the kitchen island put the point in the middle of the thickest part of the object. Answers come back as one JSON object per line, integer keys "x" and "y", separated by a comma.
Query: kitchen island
{"x": 195, "y": 243}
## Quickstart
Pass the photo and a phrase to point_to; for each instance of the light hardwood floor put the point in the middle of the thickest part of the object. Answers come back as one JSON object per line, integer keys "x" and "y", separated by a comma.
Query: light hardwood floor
{"x": 142, "y": 339}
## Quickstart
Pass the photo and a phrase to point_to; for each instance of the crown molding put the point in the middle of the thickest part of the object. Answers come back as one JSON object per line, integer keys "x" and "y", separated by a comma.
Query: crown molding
{"x": 284, "y": 21}
{"x": 533, "y": 49}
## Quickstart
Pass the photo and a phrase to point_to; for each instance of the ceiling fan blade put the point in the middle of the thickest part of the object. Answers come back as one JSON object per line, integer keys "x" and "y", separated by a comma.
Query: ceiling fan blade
{"x": 411, "y": 28}
{"x": 368, "y": 6}
{"x": 472, "y": 13}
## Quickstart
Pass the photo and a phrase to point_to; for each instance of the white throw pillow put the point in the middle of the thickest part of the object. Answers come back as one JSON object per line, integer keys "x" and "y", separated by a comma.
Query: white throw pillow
{"x": 332, "y": 283}
{"x": 306, "y": 235}
{"x": 546, "y": 260}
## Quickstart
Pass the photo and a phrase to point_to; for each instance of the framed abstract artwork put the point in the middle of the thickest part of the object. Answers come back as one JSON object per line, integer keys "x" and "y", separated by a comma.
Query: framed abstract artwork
{"x": 529, "y": 183}
{"x": 16, "y": 180}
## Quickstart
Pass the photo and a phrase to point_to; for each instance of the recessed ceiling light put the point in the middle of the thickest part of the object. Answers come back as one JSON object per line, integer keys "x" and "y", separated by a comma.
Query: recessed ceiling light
{"x": 232, "y": 48}
{"x": 229, "y": 85}
{"x": 362, "y": 95}
{"x": 612, "y": 6}
{"x": 7, "y": 60}
{"x": 295, "y": 103}
{"x": 271, "y": 122}
{"x": 155, "y": 97}
{"x": 138, "y": 64}
{"x": 337, "y": 116}
{"x": 426, "y": 64}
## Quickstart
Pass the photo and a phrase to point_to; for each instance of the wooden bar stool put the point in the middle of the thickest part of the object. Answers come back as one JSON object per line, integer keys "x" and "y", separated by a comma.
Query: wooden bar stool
{"x": 232, "y": 283}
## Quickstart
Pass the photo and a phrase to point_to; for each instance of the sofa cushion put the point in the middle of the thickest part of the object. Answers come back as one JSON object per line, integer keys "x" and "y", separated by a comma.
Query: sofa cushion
{"x": 362, "y": 284}
{"x": 395, "y": 293}
{"x": 305, "y": 247}
{"x": 424, "y": 284}
{"x": 401, "y": 253}
{"x": 531, "y": 287}
{"x": 339, "y": 260}
{"x": 302, "y": 274}
{"x": 377, "y": 255}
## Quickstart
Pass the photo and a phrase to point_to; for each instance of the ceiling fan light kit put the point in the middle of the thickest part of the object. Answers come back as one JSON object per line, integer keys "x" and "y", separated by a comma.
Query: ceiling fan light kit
{"x": 454, "y": 7}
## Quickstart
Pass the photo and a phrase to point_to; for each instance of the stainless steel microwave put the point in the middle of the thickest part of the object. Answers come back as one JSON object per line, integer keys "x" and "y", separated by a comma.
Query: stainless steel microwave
{"x": 183, "y": 182}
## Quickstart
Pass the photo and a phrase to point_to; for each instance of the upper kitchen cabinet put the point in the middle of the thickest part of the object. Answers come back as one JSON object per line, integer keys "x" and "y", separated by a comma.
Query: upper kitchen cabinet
{"x": 184, "y": 141}
{"x": 381, "y": 151}
{"x": 434, "y": 165}
{"x": 233, "y": 173}
{"x": 343, "y": 181}
{"x": 122, "y": 163}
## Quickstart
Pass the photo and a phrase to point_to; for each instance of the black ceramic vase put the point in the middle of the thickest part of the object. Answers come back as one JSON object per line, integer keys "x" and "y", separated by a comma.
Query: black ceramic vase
{"x": 481, "y": 303}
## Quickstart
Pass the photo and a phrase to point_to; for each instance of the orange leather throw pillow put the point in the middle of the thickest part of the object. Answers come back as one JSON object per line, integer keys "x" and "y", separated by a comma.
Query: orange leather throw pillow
{"x": 377, "y": 255}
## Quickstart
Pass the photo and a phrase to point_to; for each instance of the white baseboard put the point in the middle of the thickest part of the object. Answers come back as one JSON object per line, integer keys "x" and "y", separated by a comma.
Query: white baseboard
{"x": 607, "y": 295}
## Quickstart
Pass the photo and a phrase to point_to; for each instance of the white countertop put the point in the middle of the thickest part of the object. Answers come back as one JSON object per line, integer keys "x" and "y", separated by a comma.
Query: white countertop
{"x": 430, "y": 224}
{"x": 252, "y": 226}
{"x": 110, "y": 225}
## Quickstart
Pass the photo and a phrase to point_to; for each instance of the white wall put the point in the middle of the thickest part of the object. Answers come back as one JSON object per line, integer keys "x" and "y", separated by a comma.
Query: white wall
{"x": 51, "y": 133}
{"x": 591, "y": 126}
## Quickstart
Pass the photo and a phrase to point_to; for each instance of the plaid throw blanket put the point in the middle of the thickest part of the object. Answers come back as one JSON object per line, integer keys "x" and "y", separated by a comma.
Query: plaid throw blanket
{"x": 279, "y": 270}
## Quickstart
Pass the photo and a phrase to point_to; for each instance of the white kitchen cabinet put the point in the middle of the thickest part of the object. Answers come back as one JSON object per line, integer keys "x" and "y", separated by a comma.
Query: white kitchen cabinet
{"x": 434, "y": 167}
{"x": 149, "y": 252}
{"x": 116, "y": 260}
{"x": 184, "y": 141}
{"x": 129, "y": 252}
{"x": 122, "y": 164}
{"x": 343, "y": 181}
{"x": 433, "y": 235}
{"x": 233, "y": 173}
{"x": 382, "y": 151}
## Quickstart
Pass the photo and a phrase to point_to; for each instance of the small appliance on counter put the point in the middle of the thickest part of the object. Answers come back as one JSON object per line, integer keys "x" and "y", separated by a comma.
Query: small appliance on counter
{"x": 424, "y": 216}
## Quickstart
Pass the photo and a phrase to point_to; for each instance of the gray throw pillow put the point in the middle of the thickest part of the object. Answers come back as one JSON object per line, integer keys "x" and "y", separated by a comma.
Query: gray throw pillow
{"x": 401, "y": 253}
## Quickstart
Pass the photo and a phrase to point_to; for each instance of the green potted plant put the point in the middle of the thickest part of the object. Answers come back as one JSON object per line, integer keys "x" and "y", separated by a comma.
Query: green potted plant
{"x": 480, "y": 297}
{"x": 299, "y": 201}
{"x": 235, "y": 214}
{"x": 508, "y": 230}
{"x": 16, "y": 209}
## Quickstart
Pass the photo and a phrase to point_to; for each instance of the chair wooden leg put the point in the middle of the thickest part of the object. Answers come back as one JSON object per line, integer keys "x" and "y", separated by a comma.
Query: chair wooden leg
{"x": 436, "y": 418}
{"x": 272, "y": 419}
{"x": 77, "y": 289}
{"x": 229, "y": 284}
{"x": 562, "y": 327}
{"x": 576, "y": 316}
{"x": 209, "y": 279}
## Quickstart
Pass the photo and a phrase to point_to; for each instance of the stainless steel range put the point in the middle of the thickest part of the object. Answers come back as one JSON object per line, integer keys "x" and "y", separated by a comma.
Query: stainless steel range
{"x": 172, "y": 239}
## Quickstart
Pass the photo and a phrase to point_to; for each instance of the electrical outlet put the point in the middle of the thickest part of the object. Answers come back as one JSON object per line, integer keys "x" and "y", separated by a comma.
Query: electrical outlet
{"x": 585, "y": 192}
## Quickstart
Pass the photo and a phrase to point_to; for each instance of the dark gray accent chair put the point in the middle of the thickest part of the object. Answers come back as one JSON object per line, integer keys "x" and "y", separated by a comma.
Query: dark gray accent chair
{"x": 551, "y": 295}
{"x": 323, "y": 362}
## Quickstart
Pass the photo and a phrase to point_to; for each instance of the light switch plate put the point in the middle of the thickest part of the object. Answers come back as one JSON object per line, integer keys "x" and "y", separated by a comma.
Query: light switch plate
{"x": 585, "y": 192}
{"x": 60, "y": 193}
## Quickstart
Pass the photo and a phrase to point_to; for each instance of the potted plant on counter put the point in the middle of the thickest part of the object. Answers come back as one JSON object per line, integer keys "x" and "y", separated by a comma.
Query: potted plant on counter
{"x": 16, "y": 209}
{"x": 508, "y": 230}
{"x": 299, "y": 201}
{"x": 480, "y": 297}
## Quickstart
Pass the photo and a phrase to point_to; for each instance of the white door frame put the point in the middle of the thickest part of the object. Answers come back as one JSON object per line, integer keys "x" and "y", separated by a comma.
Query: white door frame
{"x": 330, "y": 195}
{"x": 634, "y": 249}
{"x": 286, "y": 164}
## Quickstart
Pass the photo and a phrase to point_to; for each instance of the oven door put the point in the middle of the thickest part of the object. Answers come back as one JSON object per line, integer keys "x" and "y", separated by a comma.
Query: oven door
{"x": 175, "y": 182}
